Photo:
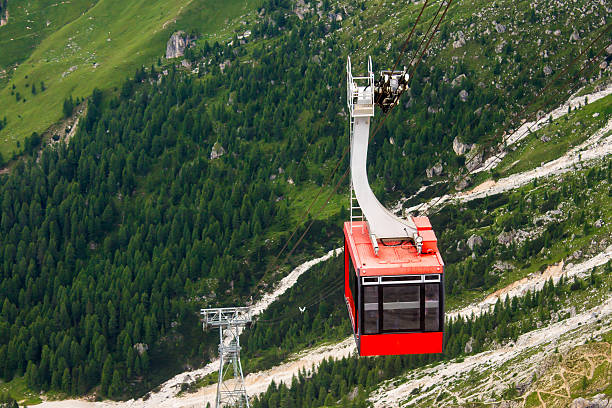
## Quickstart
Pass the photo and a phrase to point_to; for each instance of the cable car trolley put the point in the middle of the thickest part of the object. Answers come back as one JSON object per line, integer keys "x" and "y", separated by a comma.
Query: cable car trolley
{"x": 394, "y": 274}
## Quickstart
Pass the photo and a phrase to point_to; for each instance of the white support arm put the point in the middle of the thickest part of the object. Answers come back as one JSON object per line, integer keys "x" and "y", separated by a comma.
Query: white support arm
{"x": 382, "y": 223}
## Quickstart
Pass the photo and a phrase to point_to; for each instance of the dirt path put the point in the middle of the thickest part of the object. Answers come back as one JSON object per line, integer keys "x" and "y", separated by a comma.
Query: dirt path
{"x": 562, "y": 335}
{"x": 257, "y": 383}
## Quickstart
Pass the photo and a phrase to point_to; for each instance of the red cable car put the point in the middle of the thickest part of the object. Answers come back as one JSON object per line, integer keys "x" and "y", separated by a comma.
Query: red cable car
{"x": 394, "y": 274}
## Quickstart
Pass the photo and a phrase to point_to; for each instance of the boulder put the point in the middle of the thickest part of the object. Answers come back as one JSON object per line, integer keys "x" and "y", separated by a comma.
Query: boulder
{"x": 177, "y": 44}
{"x": 575, "y": 36}
{"x": 474, "y": 159}
{"x": 141, "y": 348}
{"x": 434, "y": 171}
{"x": 609, "y": 49}
{"x": 500, "y": 28}
{"x": 217, "y": 151}
{"x": 599, "y": 223}
{"x": 461, "y": 148}
{"x": 547, "y": 70}
{"x": 460, "y": 41}
{"x": 458, "y": 80}
{"x": 468, "y": 346}
{"x": 460, "y": 246}
{"x": 581, "y": 403}
{"x": 463, "y": 95}
{"x": 602, "y": 401}
{"x": 463, "y": 183}
{"x": 499, "y": 47}
{"x": 474, "y": 241}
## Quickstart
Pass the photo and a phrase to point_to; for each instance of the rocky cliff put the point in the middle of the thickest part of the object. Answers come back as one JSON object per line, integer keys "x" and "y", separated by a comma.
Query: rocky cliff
{"x": 177, "y": 44}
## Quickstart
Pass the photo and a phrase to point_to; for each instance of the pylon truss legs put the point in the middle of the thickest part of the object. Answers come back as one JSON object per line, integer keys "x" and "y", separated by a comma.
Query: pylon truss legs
{"x": 230, "y": 321}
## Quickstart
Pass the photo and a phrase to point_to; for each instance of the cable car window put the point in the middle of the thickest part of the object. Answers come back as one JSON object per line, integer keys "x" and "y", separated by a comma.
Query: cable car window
{"x": 401, "y": 307}
{"x": 432, "y": 307}
{"x": 370, "y": 309}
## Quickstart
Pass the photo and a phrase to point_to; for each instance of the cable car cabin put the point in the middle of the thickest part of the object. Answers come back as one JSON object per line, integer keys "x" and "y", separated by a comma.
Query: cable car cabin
{"x": 395, "y": 298}
{"x": 393, "y": 272}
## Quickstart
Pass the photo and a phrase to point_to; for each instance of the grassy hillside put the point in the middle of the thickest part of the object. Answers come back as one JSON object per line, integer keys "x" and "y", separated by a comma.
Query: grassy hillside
{"x": 30, "y": 22}
{"x": 86, "y": 45}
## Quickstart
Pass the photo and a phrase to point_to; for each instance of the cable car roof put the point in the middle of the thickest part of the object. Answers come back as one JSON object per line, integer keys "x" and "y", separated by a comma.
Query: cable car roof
{"x": 393, "y": 260}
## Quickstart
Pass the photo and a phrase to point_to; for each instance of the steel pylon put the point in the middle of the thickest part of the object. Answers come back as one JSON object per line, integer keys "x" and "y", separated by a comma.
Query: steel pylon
{"x": 230, "y": 321}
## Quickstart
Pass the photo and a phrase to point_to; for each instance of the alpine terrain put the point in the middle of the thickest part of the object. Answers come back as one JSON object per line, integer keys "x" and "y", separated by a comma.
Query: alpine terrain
{"x": 164, "y": 159}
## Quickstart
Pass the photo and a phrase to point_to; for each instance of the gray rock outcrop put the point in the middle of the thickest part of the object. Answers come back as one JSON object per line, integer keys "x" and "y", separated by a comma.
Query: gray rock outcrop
{"x": 474, "y": 241}
{"x": 598, "y": 401}
{"x": 434, "y": 171}
{"x": 177, "y": 44}
{"x": 575, "y": 36}
{"x": 460, "y": 41}
{"x": 474, "y": 159}
{"x": 217, "y": 151}
{"x": 468, "y": 346}
{"x": 461, "y": 148}
{"x": 500, "y": 28}
{"x": 458, "y": 80}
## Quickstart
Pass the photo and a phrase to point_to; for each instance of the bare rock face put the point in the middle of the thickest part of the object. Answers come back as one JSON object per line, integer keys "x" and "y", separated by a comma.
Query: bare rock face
{"x": 458, "y": 80}
{"x": 500, "y": 28}
{"x": 581, "y": 403}
{"x": 463, "y": 183}
{"x": 460, "y": 41}
{"x": 514, "y": 236}
{"x": 575, "y": 36}
{"x": 434, "y": 171}
{"x": 468, "y": 346}
{"x": 474, "y": 159}
{"x": 217, "y": 151}
{"x": 177, "y": 44}
{"x": 461, "y": 148}
{"x": 474, "y": 241}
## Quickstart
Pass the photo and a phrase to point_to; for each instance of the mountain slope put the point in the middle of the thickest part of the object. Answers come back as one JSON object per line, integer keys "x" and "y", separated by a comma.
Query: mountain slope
{"x": 89, "y": 45}
{"x": 135, "y": 224}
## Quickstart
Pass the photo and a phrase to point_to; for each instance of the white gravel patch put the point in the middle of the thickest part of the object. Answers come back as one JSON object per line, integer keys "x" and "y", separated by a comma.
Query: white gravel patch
{"x": 530, "y": 127}
{"x": 166, "y": 396}
{"x": 433, "y": 379}
{"x": 597, "y": 146}
{"x": 534, "y": 282}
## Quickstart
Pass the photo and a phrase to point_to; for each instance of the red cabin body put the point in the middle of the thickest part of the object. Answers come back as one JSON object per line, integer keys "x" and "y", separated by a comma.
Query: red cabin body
{"x": 395, "y": 298}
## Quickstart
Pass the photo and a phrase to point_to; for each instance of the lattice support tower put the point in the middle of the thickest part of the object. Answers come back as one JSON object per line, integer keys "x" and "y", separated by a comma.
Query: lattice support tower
{"x": 230, "y": 321}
